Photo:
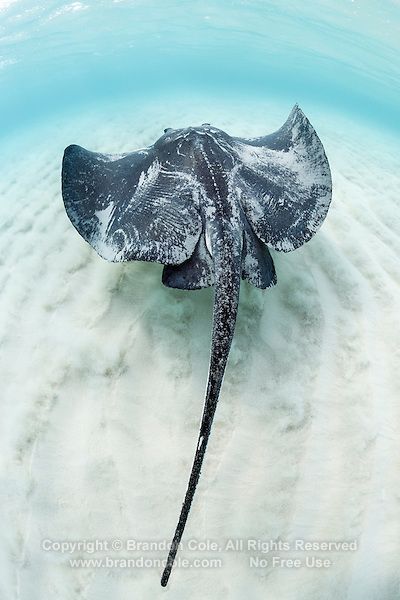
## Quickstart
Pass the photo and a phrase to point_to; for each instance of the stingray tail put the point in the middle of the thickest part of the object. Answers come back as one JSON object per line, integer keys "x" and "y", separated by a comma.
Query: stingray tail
{"x": 226, "y": 297}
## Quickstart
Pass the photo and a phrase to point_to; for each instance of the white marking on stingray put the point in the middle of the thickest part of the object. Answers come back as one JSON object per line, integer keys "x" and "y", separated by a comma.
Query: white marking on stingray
{"x": 148, "y": 178}
{"x": 211, "y": 171}
{"x": 207, "y": 238}
{"x": 178, "y": 148}
{"x": 104, "y": 218}
{"x": 110, "y": 157}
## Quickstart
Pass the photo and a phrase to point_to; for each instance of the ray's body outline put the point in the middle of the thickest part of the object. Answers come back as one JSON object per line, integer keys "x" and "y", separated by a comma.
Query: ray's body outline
{"x": 206, "y": 205}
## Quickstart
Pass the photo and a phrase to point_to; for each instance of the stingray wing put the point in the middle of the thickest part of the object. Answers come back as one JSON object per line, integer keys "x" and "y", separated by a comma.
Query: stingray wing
{"x": 132, "y": 206}
{"x": 284, "y": 183}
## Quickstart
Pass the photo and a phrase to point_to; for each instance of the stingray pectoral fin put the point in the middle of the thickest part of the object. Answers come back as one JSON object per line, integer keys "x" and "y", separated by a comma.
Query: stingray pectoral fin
{"x": 285, "y": 183}
{"x": 226, "y": 297}
{"x": 130, "y": 207}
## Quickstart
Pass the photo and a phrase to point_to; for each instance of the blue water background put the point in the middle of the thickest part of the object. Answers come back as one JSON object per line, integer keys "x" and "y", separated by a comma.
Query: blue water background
{"x": 341, "y": 54}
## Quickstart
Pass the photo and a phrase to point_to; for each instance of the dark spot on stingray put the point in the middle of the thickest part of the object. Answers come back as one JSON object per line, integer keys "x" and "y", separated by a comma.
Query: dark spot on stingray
{"x": 207, "y": 206}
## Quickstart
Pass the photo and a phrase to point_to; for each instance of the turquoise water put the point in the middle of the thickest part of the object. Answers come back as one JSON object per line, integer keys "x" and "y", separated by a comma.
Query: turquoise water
{"x": 342, "y": 54}
{"x": 103, "y": 369}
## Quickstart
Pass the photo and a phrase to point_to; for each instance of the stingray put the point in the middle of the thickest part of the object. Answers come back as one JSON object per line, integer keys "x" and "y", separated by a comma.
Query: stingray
{"x": 207, "y": 206}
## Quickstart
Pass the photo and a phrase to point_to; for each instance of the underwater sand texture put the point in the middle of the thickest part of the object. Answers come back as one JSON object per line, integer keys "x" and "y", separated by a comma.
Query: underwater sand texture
{"x": 103, "y": 373}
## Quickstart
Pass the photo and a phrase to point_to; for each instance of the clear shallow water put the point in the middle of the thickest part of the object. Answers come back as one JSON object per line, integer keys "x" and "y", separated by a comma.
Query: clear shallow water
{"x": 101, "y": 365}
{"x": 340, "y": 54}
{"x": 103, "y": 372}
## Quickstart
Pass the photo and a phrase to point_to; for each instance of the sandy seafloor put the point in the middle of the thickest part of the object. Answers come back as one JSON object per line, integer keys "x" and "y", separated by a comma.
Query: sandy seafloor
{"x": 103, "y": 372}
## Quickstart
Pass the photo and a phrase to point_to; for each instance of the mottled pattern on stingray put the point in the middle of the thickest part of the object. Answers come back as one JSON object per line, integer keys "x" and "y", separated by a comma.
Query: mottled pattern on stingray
{"x": 158, "y": 203}
{"x": 285, "y": 183}
{"x": 131, "y": 207}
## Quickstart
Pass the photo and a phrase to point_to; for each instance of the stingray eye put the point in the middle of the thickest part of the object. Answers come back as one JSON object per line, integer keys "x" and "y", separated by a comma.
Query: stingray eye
{"x": 167, "y": 129}
{"x": 206, "y": 125}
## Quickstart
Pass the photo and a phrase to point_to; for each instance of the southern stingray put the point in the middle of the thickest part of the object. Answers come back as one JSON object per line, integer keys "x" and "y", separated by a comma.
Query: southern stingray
{"x": 207, "y": 206}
